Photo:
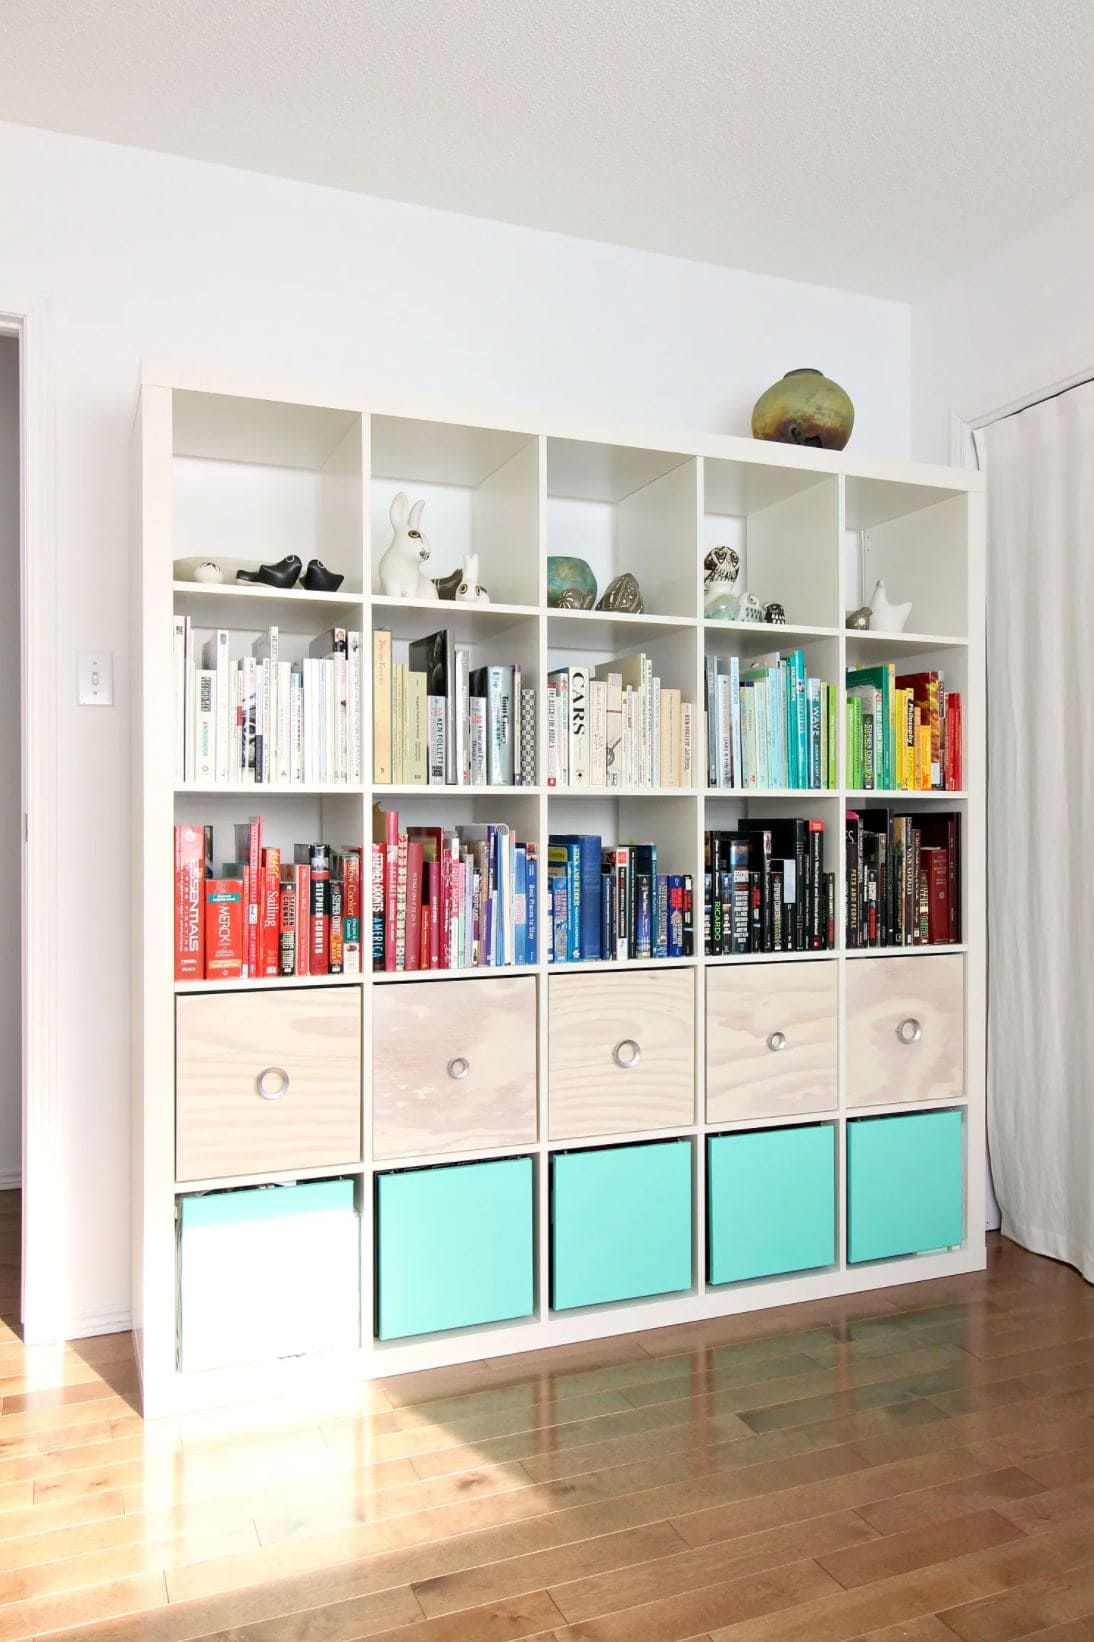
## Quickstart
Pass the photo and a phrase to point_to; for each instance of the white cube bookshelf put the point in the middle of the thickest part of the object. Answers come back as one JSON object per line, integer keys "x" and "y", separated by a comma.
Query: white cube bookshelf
{"x": 254, "y": 469}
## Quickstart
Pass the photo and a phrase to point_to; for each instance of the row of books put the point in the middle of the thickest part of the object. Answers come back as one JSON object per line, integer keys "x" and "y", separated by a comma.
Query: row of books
{"x": 903, "y": 878}
{"x": 903, "y": 731}
{"x": 260, "y": 917}
{"x": 765, "y": 888}
{"x": 465, "y": 898}
{"x": 609, "y": 904}
{"x": 617, "y": 725}
{"x": 769, "y": 724}
{"x": 258, "y": 718}
{"x": 438, "y": 721}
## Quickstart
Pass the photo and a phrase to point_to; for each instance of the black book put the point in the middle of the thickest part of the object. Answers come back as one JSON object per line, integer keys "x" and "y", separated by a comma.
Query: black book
{"x": 435, "y": 657}
{"x": 789, "y": 845}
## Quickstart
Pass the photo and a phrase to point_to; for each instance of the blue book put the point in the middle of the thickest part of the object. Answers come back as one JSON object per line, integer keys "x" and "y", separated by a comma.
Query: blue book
{"x": 533, "y": 904}
{"x": 520, "y": 906}
{"x": 676, "y": 916}
{"x": 661, "y": 944}
{"x": 583, "y": 851}
{"x": 643, "y": 919}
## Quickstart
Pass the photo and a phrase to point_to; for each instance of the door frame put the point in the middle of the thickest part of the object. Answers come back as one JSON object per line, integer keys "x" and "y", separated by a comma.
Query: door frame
{"x": 26, "y": 314}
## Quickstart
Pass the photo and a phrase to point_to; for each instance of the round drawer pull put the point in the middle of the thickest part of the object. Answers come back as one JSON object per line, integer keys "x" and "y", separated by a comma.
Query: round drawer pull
{"x": 458, "y": 1068}
{"x": 626, "y": 1053}
{"x": 776, "y": 1041}
{"x": 909, "y": 1030}
{"x": 272, "y": 1083}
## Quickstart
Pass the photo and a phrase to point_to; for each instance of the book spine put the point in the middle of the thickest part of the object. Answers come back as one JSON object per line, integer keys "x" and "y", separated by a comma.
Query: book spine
{"x": 271, "y": 912}
{"x": 391, "y": 891}
{"x": 353, "y": 708}
{"x": 527, "y": 737}
{"x": 319, "y": 961}
{"x": 189, "y": 903}
{"x": 438, "y": 733}
{"x": 552, "y": 736}
{"x": 336, "y": 890}
{"x": 223, "y": 929}
{"x": 598, "y": 732}
{"x": 579, "y": 750}
{"x": 461, "y": 706}
{"x": 401, "y": 903}
{"x": 287, "y": 927}
{"x": 532, "y": 876}
{"x": 377, "y": 864}
{"x": 478, "y": 741}
{"x": 614, "y": 756}
{"x": 302, "y": 875}
{"x": 434, "y": 946}
{"x": 643, "y": 916}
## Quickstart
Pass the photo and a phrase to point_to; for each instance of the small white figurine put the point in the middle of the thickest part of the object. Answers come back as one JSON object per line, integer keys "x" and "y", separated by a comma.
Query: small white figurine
{"x": 886, "y": 617}
{"x": 469, "y": 591}
{"x": 402, "y": 568}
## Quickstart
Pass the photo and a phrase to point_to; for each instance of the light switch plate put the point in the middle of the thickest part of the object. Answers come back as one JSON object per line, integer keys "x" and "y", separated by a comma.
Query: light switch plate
{"x": 95, "y": 678}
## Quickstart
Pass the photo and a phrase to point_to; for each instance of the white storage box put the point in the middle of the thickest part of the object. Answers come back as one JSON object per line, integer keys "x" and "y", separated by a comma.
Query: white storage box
{"x": 272, "y": 1271}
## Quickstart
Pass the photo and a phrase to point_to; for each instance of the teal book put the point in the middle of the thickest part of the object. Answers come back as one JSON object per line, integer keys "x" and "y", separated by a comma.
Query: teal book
{"x": 881, "y": 679}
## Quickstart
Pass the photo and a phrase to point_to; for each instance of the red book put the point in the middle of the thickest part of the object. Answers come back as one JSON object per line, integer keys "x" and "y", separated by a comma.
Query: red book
{"x": 336, "y": 962}
{"x": 435, "y": 914}
{"x": 249, "y": 851}
{"x": 189, "y": 903}
{"x": 376, "y": 932}
{"x": 303, "y": 919}
{"x": 413, "y": 943}
{"x": 224, "y": 929}
{"x": 287, "y": 928}
{"x": 391, "y": 886}
{"x": 937, "y": 870}
{"x": 319, "y": 962}
{"x": 271, "y": 913}
{"x": 351, "y": 911}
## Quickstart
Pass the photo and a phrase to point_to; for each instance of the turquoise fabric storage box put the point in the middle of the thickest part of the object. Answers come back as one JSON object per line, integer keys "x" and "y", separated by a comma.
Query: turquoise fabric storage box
{"x": 453, "y": 1247}
{"x": 904, "y": 1185}
{"x": 771, "y": 1202}
{"x": 269, "y": 1271}
{"x": 621, "y": 1223}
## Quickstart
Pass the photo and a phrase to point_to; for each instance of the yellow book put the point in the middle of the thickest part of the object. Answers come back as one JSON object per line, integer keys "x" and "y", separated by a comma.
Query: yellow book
{"x": 381, "y": 705}
{"x": 398, "y": 723}
{"x": 923, "y": 751}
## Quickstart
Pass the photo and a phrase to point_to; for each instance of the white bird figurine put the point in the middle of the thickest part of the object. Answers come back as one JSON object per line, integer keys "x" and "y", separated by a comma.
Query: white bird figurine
{"x": 886, "y": 617}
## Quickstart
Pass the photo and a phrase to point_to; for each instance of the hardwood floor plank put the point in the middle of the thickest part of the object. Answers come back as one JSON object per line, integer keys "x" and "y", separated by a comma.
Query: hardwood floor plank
{"x": 954, "y": 1499}
{"x": 918, "y": 1547}
{"x": 1027, "y": 1611}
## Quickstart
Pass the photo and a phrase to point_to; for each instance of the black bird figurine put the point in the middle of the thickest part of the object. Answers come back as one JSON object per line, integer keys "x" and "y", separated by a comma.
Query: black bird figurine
{"x": 318, "y": 579}
{"x": 283, "y": 574}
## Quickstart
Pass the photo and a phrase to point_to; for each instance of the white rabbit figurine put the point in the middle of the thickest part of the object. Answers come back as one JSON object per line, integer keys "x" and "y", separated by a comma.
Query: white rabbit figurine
{"x": 402, "y": 568}
{"x": 469, "y": 591}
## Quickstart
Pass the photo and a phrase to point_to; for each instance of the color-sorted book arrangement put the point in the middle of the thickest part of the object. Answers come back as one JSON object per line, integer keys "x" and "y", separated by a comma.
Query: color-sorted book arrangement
{"x": 765, "y": 889}
{"x": 259, "y": 917}
{"x": 903, "y": 878}
{"x": 437, "y": 721}
{"x": 607, "y": 904}
{"x": 903, "y": 731}
{"x": 617, "y": 725}
{"x": 264, "y": 719}
{"x": 769, "y": 724}
{"x": 465, "y": 898}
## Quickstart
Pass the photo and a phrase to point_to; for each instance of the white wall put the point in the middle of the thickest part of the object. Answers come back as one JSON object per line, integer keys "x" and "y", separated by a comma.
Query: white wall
{"x": 10, "y": 776}
{"x": 143, "y": 254}
{"x": 1012, "y": 324}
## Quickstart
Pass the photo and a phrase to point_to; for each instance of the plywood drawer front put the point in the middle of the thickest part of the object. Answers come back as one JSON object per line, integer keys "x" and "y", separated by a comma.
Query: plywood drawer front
{"x": 622, "y": 1052}
{"x": 304, "y": 1046}
{"x": 454, "y": 1066}
{"x": 771, "y": 1040}
{"x": 905, "y": 1185}
{"x": 905, "y": 1029}
{"x": 454, "y": 1246}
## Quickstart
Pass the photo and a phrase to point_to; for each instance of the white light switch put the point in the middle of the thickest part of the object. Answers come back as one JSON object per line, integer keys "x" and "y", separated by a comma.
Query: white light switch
{"x": 95, "y": 675}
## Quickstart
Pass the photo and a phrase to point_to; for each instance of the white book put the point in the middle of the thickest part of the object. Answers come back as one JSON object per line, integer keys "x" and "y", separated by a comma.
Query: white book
{"x": 235, "y": 768}
{"x": 737, "y": 750}
{"x": 312, "y": 679}
{"x": 462, "y": 728}
{"x": 579, "y": 726}
{"x": 353, "y": 709}
{"x": 216, "y": 653}
{"x": 598, "y": 732}
{"x": 248, "y": 668}
{"x": 438, "y": 739}
{"x": 261, "y": 669}
{"x": 266, "y": 651}
{"x": 648, "y": 743}
{"x": 178, "y": 661}
{"x": 724, "y": 732}
{"x": 284, "y": 720}
{"x": 296, "y": 727}
{"x": 657, "y": 776}
{"x": 190, "y": 698}
{"x": 517, "y": 725}
{"x": 561, "y": 682}
{"x": 339, "y": 666}
{"x": 206, "y": 726}
{"x": 478, "y": 740}
{"x": 613, "y": 751}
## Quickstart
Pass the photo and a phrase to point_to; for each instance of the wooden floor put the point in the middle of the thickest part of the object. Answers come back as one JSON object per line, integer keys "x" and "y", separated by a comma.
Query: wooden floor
{"x": 908, "y": 1467}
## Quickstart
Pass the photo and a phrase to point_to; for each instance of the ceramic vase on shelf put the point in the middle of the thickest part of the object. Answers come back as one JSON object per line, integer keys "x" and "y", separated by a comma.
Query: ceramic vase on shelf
{"x": 804, "y": 408}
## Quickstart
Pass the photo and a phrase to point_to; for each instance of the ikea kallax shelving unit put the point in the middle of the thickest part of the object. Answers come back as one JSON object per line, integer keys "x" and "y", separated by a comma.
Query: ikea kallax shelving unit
{"x": 746, "y": 1179}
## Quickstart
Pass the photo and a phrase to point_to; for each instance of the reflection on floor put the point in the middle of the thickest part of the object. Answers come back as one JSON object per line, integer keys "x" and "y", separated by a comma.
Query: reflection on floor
{"x": 904, "y": 1467}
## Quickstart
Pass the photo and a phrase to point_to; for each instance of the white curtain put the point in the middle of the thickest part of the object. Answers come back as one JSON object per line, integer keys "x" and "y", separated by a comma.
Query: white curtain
{"x": 1040, "y": 577}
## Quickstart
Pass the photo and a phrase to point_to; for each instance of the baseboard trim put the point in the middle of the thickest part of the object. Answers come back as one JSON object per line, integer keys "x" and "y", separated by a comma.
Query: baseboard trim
{"x": 107, "y": 1322}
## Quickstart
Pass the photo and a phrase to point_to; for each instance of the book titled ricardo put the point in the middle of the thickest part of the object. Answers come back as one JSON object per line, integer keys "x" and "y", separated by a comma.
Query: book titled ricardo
{"x": 607, "y": 904}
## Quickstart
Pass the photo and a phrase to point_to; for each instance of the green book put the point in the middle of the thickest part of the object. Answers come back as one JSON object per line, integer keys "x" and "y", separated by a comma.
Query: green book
{"x": 883, "y": 680}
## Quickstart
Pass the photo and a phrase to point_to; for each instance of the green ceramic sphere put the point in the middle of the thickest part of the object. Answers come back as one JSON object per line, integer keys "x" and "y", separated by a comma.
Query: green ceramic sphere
{"x": 805, "y": 408}
{"x": 571, "y": 584}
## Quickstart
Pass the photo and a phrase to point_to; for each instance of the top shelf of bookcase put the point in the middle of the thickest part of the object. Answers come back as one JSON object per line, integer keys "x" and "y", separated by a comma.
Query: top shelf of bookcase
{"x": 236, "y": 604}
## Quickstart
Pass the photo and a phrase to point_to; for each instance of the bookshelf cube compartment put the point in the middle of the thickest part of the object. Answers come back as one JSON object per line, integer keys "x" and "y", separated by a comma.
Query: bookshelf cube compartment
{"x": 913, "y": 662}
{"x": 915, "y": 538}
{"x": 621, "y": 1223}
{"x": 798, "y": 880}
{"x": 454, "y": 1067}
{"x": 621, "y": 1052}
{"x": 454, "y": 1247}
{"x": 771, "y": 1040}
{"x": 784, "y": 525}
{"x": 772, "y": 704}
{"x": 627, "y": 510}
{"x": 481, "y": 487}
{"x": 905, "y": 1031}
{"x": 771, "y": 1202}
{"x": 905, "y": 1185}
{"x": 266, "y": 1273}
{"x": 269, "y": 479}
{"x": 267, "y": 1081}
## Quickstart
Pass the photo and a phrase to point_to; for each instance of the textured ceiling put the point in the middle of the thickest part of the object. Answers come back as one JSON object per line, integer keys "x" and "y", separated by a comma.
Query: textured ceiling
{"x": 869, "y": 144}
